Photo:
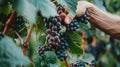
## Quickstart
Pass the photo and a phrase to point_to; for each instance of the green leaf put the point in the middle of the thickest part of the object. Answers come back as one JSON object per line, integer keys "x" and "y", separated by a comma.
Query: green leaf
{"x": 24, "y": 8}
{"x": 40, "y": 25}
{"x": 42, "y": 39}
{"x": 10, "y": 54}
{"x": 74, "y": 49}
{"x": 99, "y": 3}
{"x": 74, "y": 37}
{"x": 46, "y": 7}
{"x": 6, "y": 9}
{"x": 62, "y": 64}
{"x": 83, "y": 26}
{"x": 55, "y": 65}
{"x": 74, "y": 42}
{"x": 37, "y": 60}
{"x": 50, "y": 57}
{"x": 71, "y": 4}
{"x": 89, "y": 33}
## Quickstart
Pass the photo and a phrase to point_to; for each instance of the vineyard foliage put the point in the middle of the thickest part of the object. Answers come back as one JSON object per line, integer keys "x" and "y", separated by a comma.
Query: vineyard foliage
{"x": 37, "y": 15}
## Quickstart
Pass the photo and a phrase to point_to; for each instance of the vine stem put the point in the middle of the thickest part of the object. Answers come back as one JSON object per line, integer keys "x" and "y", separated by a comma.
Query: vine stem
{"x": 27, "y": 39}
{"x": 32, "y": 64}
{"x": 5, "y": 31}
{"x": 67, "y": 64}
{"x": 20, "y": 38}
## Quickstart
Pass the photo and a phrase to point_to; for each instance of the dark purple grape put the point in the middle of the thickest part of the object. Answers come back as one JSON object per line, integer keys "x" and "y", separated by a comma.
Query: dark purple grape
{"x": 84, "y": 18}
{"x": 73, "y": 26}
{"x": 43, "y": 49}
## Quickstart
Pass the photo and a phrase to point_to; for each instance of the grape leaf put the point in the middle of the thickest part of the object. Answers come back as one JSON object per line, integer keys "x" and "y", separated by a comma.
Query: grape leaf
{"x": 24, "y": 8}
{"x": 46, "y": 7}
{"x": 50, "y": 57}
{"x": 89, "y": 33}
{"x": 40, "y": 24}
{"x": 6, "y": 9}
{"x": 74, "y": 41}
{"x": 71, "y": 4}
{"x": 75, "y": 49}
{"x": 37, "y": 60}
{"x": 10, "y": 52}
{"x": 83, "y": 26}
{"x": 74, "y": 37}
{"x": 55, "y": 65}
{"x": 42, "y": 39}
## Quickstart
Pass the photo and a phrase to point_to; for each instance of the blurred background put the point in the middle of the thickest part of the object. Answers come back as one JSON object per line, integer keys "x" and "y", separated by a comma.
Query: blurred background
{"x": 104, "y": 48}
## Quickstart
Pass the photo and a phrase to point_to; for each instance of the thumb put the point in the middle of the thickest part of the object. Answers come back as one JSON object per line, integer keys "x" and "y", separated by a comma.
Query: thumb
{"x": 68, "y": 19}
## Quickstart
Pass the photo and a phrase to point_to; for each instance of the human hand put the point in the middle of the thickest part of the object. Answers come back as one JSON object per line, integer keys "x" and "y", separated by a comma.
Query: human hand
{"x": 81, "y": 8}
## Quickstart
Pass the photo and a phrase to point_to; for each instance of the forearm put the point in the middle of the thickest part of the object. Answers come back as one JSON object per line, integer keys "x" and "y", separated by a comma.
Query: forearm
{"x": 105, "y": 21}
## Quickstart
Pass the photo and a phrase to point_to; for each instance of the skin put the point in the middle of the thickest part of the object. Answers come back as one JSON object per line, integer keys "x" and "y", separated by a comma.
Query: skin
{"x": 104, "y": 21}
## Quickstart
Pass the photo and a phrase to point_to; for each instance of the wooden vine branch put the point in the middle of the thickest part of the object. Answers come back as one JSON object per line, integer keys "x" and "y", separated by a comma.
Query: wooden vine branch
{"x": 25, "y": 44}
{"x": 5, "y": 31}
{"x": 66, "y": 62}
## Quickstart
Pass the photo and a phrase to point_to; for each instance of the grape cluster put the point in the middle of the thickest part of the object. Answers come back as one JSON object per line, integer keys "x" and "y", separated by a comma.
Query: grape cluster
{"x": 61, "y": 54}
{"x": 73, "y": 25}
{"x": 18, "y": 23}
{"x": 53, "y": 26}
{"x": 84, "y": 18}
{"x": 1, "y": 35}
{"x": 43, "y": 49}
{"x": 81, "y": 64}
{"x": 60, "y": 49}
{"x": 55, "y": 39}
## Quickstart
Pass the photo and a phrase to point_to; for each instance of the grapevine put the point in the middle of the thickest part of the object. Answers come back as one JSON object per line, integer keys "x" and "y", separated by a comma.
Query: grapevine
{"x": 33, "y": 33}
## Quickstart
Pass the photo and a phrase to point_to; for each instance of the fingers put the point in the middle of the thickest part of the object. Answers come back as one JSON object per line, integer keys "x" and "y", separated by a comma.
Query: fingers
{"x": 81, "y": 8}
{"x": 62, "y": 16}
{"x": 68, "y": 19}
